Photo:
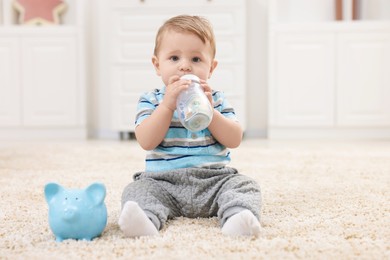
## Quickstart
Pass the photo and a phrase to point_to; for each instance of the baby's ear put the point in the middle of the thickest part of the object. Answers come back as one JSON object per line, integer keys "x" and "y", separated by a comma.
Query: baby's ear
{"x": 214, "y": 64}
{"x": 156, "y": 65}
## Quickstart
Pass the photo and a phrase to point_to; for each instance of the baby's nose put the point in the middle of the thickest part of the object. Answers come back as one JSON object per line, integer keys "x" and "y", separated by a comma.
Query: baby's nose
{"x": 185, "y": 66}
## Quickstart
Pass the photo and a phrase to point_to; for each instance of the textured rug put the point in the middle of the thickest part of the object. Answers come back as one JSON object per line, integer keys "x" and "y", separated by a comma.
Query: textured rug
{"x": 322, "y": 200}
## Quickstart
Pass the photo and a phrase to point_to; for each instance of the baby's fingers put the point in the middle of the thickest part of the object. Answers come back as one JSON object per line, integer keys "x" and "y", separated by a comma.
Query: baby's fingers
{"x": 173, "y": 79}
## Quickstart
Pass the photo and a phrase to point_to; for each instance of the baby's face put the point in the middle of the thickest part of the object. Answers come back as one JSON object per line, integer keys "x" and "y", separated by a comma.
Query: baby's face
{"x": 183, "y": 53}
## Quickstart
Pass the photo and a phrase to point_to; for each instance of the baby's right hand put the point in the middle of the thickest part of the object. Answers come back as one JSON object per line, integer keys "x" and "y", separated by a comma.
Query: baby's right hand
{"x": 175, "y": 86}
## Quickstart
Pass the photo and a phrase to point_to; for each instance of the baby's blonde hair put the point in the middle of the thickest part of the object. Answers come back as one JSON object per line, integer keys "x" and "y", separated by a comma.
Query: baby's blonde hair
{"x": 197, "y": 25}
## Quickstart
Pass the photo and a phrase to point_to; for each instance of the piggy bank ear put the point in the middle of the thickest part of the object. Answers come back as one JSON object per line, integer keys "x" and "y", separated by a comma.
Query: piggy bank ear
{"x": 97, "y": 193}
{"x": 51, "y": 190}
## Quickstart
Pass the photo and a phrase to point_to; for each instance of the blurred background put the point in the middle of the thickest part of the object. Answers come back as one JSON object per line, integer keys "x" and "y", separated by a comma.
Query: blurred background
{"x": 74, "y": 69}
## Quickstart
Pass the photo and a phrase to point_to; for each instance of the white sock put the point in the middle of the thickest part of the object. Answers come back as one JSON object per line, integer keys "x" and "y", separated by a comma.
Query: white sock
{"x": 134, "y": 222}
{"x": 243, "y": 223}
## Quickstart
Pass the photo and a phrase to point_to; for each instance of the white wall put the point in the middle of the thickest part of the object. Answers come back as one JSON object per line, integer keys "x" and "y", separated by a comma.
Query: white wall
{"x": 99, "y": 107}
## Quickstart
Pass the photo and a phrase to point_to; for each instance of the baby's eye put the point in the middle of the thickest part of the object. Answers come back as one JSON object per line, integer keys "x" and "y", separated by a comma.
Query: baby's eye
{"x": 196, "y": 59}
{"x": 174, "y": 58}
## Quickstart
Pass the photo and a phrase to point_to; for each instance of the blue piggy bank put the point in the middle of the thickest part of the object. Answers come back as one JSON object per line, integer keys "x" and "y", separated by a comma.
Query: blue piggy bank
{"x": 74, "y": 213}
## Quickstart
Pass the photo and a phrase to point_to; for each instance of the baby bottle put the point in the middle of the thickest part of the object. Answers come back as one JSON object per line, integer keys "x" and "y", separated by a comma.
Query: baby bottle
{"x": 193, "y": 107}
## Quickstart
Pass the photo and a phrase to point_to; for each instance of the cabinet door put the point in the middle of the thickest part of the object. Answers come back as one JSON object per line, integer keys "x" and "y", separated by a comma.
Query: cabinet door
{"x": 10, "y": 82}
{"x": 50, "y": 85}
{"x": 363, "y": 80}
{"x": 302, "y": 79}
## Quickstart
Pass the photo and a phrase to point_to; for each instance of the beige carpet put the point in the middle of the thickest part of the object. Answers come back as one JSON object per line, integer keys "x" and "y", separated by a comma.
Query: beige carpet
{"x": 322, "y": 200}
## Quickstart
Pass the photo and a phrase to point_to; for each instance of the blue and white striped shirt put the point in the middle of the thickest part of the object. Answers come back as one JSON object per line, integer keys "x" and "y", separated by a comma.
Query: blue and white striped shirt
{"x": 180, "y": 147}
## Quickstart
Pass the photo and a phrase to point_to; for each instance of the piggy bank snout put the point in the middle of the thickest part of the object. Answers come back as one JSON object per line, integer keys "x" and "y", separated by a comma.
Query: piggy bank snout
{"x": 70, "y": 213}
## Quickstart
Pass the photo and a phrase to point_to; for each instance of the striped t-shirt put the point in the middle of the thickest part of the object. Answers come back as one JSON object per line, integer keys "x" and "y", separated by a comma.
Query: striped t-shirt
{"x": 180, "y": 147}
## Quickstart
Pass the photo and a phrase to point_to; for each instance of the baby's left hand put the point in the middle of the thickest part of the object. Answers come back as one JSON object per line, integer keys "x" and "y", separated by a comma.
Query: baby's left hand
{"x": 207, "y": 90}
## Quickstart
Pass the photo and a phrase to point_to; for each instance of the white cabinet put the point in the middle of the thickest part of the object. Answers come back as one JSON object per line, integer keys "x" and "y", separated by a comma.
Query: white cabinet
{"x": 50, "y": 86}
{"x": 363, "y": 97}
{"x": 42, "y": 88}
{"x": 327, "y": 79}
{"x": 10, "y": 101}
{"x": 302, "y": 92}
{"x": 130, "y": 34}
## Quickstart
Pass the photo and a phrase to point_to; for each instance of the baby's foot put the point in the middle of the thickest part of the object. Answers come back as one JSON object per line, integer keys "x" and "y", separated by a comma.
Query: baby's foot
{"x": 243, "y": 223}
{"x": 134, "y": 222}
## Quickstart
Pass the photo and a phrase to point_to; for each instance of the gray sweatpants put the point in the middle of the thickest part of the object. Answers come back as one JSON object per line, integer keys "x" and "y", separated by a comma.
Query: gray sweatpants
{"x": 193, "y": 192}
